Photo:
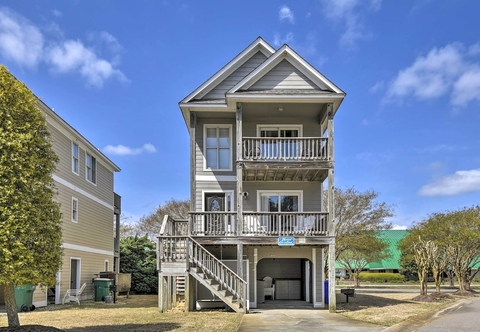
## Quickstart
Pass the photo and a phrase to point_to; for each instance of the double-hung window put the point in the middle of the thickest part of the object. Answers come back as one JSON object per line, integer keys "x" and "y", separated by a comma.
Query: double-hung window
{"x": 75, "y": 158}
{"x": 91, "y": 168}
{"x": 74, "y": 209}
{"x": 218, "y": 147}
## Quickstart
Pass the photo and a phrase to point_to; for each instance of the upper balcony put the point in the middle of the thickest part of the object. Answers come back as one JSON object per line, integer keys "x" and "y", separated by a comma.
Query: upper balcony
{"x": 285, "y": 149}
{"x": 286, "y": 158}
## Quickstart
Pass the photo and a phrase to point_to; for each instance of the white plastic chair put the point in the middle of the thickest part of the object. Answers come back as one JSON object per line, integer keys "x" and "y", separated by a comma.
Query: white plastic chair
{"x": 269, "y": 287}
{"x": 74, "y": 294}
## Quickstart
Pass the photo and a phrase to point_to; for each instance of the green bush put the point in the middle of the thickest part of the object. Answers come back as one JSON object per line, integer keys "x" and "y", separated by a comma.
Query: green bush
{"x": 381, "y": 277}
{"x": 138, "y": 257}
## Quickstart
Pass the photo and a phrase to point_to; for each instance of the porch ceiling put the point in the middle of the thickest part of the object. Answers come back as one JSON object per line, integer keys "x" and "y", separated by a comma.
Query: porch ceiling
{"x": 281, "y": 173}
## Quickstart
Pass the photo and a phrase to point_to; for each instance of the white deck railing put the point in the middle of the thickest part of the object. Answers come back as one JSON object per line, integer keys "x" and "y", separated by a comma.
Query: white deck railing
{"x": 259, "y": 224}
{"x": 285, "y": 149}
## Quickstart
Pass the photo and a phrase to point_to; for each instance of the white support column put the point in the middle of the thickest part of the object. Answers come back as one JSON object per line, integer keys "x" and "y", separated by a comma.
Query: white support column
{"x": 332, "y": 298}
{"x": 238, "y": 138}
{"x": 332, "y": 303}
{"x": 193, "y": 166}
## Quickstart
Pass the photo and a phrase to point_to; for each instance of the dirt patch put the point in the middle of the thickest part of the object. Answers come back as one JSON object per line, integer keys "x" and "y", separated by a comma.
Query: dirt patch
{"x": 466, "y": 293}
{"x": 387, "y": 309}
{"x": 425, "y": 298}
{"x": 30, "y": 328}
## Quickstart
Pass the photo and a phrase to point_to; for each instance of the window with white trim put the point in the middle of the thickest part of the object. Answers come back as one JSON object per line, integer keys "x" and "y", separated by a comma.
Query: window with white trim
{"x": 90, "y": 168}
{"x": 288, "y": 201}
{"x": 75, "y": 158}
{"x": 74, "y": 209}
{"x": 218, "y": 147}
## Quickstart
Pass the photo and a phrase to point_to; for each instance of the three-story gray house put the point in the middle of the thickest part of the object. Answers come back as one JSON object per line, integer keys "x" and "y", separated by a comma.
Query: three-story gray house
{"x": 262, "y": 177}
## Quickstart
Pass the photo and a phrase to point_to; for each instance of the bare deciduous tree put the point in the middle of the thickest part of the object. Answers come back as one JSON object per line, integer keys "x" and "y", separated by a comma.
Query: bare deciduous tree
{"x": 150, "y": 225}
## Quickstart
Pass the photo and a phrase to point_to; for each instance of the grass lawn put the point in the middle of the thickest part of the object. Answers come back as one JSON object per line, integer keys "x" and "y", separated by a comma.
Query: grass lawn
{"x": 388, "y": 309}
{"x": 138, "y": 313}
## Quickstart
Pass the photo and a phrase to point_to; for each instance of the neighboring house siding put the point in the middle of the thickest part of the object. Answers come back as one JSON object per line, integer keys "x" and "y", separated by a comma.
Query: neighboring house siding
{"x": 284, "y": 76}
{"x": 90, "y": 266}
{"x": 62, "y": 145}
{"x": 94, "y": 228}
{"x": 219, "y": 91}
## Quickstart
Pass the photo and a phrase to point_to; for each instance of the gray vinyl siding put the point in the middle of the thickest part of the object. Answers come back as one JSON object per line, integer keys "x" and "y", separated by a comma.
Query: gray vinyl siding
{"x": 285, "y": 76}
{"x": 309, "y": 128}
{"x": 219, "y": 91}
{"x": 312, "y": 193}
{"x": 199, "y": 149}
{"x": 62, "y": 145}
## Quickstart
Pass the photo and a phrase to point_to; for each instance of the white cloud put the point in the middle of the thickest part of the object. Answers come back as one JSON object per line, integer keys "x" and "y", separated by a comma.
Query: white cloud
{"x": 350, "y": 14}
{"x": 399, "y": 227}
{"x": 467, "y": 87}
{"x": 455, "y": 184}
{"x": 20, "y": 41}
{"x": 377, "y": 87}
{"x": 106, "y": 39}
{"x": 285, "y": 14}
{"x": 122, "y": 150}
{"x": 23, "y": 42}
{"x": 451, "y": 70}
{"x": 57, "y": 13}
{"x": 279, "y": 41}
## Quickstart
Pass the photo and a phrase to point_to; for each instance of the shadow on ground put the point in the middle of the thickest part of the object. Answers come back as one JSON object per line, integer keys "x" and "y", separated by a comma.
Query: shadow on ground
{"x": 362, "y": 301}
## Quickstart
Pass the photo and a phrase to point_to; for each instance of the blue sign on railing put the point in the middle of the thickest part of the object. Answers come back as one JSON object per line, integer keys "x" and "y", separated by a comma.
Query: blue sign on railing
{"x": 286, "y": 241}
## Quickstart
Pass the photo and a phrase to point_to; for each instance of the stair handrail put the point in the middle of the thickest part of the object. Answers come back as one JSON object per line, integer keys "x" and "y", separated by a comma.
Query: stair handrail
{"x": 169, "y": 226}
{"x": 241, "y": 294}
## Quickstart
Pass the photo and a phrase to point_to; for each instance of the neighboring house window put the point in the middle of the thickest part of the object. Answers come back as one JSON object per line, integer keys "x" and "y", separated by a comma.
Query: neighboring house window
{"x": 91, "y": 168}
{"x": 218, "y": 147}
{"x": 75, "y": 158}
{"x": 74, "y": 209}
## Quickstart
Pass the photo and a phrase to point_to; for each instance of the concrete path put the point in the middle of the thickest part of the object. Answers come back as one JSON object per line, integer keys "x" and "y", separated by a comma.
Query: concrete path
{"x": 462, "y": 316}
{"x": 299, "y": 320}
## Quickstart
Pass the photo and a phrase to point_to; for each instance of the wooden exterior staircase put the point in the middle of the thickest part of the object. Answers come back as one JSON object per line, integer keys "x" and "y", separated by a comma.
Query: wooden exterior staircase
{"x": 181, "y": 255}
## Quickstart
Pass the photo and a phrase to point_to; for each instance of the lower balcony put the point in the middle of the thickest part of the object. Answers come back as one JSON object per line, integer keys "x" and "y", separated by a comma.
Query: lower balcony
{"x": 259, "y": 224}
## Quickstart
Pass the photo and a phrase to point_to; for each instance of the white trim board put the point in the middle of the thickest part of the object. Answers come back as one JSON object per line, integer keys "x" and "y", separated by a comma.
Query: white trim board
{"x": 218, "y": 178}
{"x": 81, "y": 191}
{"x": 87, "y": 249}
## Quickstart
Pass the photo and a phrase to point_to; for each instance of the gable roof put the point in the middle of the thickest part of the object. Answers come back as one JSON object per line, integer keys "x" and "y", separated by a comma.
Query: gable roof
{"x": 392, "y": 237}
{"x": 286, "y": 53}
{"x": 259, "y": 45}
{"x": 259, "y": 73}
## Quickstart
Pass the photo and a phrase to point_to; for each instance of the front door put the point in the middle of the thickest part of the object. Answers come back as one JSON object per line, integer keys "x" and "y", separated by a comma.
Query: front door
{"x": 74, "y": 273}
{"x": 215, "y": 222}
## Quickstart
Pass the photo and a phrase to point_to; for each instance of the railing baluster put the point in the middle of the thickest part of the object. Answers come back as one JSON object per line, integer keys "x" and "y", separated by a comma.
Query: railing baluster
{"x": 285, "y": 148}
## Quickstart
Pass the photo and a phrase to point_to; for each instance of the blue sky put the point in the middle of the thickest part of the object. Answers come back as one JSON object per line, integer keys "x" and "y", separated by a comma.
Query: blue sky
{"x": 116, "y": 70}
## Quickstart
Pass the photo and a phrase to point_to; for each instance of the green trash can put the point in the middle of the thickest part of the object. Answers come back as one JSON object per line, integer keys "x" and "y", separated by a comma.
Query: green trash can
{"x": 24, "y": 297}
{"x": 102, "y": 288}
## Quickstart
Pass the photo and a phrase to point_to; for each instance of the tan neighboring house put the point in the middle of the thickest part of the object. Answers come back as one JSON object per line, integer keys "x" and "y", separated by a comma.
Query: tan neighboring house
{"x": 262, "y": 159}
{"x": 90, "y": 211}
{"x": 85, "y": 182}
